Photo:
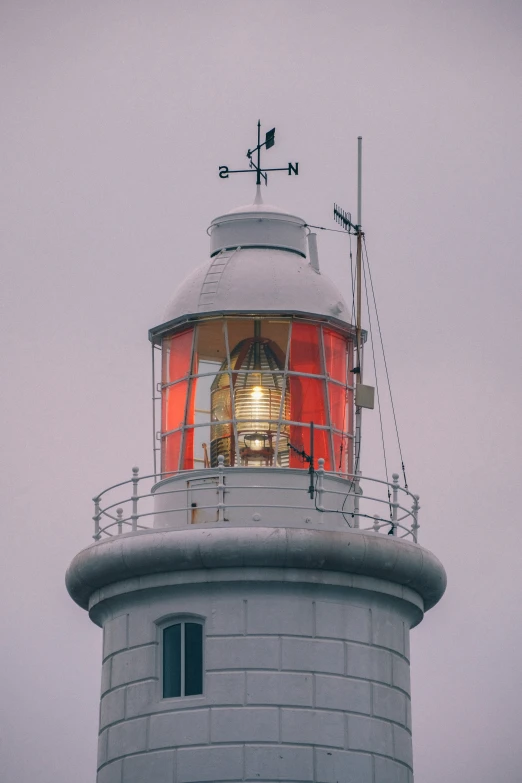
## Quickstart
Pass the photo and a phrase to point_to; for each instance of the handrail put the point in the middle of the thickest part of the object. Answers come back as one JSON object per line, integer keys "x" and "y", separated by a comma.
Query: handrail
{"x": 209, "y": 472}
{"x": 399, "y": 514}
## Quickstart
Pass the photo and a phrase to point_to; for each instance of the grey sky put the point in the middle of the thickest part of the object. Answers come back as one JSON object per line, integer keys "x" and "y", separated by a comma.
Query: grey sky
{"x": 115, "y": 116}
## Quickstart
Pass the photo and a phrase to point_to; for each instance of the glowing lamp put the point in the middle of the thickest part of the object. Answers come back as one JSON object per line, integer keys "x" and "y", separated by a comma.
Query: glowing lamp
{"x": 256, "y": 442}
{"x": 254, "y": 382}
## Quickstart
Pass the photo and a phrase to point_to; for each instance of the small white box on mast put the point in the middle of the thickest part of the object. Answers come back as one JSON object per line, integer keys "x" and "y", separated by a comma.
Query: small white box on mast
{"x": 364, "y": 396}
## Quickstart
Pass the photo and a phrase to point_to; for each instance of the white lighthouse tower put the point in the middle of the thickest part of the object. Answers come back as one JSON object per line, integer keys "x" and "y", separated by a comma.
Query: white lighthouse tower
{"x": 255, "y": 611}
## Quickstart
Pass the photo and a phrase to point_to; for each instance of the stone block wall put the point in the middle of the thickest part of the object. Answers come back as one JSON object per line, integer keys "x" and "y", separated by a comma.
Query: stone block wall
{"x": 303, "y": 682}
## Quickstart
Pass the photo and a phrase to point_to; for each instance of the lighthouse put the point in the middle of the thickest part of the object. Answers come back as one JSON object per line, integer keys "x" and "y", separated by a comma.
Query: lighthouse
{"x": 256, "y": 592}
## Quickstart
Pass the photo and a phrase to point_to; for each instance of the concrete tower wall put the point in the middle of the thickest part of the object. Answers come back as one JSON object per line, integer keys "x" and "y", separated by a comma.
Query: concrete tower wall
{"x": 305, "y": 682}
{"x": 306, "y": 655}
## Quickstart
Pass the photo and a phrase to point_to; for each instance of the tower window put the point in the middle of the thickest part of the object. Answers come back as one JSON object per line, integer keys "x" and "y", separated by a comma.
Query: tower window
{"x": 182, "y": 660}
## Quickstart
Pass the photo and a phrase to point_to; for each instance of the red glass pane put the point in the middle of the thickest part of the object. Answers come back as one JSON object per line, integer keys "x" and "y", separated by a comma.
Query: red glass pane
{"x": 180, "y": 356}
{"x": 163, "y": 412}
{"x": 338, "y": 411}
{"x": 174, "y": 408}
{"x": 300, "y": 438}
{"x": 335, "y": 355}
{"x": 307, "y": 399}
{"x": 172, "y": 444}
{"x": 188, "y": 447}
{"x": 176, "y": 364}
{"x": 305, "y": 355}
{"x": 307, "y": 395}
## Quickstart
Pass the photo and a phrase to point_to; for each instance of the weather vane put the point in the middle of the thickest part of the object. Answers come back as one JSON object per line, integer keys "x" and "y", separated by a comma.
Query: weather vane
{"x": 292, "y": 168}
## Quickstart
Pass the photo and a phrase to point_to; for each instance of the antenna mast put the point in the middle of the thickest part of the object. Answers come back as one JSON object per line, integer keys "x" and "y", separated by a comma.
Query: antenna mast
{"x": 359, "y": 255}
{"x": 358, "y": 381}
{"x": 363, "y": 394}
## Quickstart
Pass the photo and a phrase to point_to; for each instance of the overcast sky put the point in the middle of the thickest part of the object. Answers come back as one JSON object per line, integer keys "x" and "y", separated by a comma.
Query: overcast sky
{"x": 115, "y": 117}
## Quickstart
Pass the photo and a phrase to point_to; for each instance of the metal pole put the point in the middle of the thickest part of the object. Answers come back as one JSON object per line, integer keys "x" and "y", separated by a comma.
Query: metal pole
{"x": 221, "y": 489}
{"x": 96, "y": 518}
{"x": 154, "y": 433}
{"x": 359, "y": 253}
{"x": 359, "y": 306}
{"x": 320, "y": 484}
{"x": 415, "y": 514}
{"x": 134, "y": 515}
{"x": 311, "y": 469}
{"x": 359, "y": 180}
{"x": 258, "y": 180}
{"x": 395, "y": 503}
{"x": 119, "y": 514}
{"x": 358, "y": 381}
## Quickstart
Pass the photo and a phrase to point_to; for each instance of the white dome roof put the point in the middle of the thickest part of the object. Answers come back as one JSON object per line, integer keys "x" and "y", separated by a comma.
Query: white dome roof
{"x": 258, "y": 265}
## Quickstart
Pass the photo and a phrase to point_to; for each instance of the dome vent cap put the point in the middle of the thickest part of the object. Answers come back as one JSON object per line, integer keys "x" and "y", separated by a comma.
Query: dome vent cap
{"x": 258, "y": 225}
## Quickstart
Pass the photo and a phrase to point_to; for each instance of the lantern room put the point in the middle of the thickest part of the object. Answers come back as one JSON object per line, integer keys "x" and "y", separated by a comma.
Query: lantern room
{"x": 249, "y": 388}
{"x": 257, "y": 347}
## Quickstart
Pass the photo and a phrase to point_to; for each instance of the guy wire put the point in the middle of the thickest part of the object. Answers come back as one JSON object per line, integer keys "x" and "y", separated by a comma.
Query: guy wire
{"x": 385, "y": 363}
{"x": 377, "y": 389}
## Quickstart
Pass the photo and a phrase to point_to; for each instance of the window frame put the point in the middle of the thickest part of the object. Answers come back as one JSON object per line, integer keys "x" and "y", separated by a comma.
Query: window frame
{"x": 163, "y": 624}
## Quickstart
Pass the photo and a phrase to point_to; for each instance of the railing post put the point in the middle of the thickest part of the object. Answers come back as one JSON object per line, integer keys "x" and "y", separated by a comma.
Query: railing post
{"x": 134, "y": 515}
{"x": 357, "y": 492}
{"x": 415, "y": 514}
{"x": 376, "y": 520}
{"x": 96, "y": 518}
{"x": 221, "y": 488}
{"x": 119, "y": 514}
{"x": 395, "y": 491}
{"x": 320, "y": 484}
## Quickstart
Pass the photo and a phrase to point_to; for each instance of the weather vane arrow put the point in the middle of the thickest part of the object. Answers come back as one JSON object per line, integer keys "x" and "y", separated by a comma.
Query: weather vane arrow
{"x": 255, "y": 160}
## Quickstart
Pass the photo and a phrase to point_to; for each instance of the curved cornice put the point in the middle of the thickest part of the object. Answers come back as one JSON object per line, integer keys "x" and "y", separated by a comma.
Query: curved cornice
{"x": 161, "y": 551}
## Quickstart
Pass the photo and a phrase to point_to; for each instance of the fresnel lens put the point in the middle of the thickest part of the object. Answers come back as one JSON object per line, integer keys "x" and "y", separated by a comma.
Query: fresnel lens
{"x": 255, "y": 377}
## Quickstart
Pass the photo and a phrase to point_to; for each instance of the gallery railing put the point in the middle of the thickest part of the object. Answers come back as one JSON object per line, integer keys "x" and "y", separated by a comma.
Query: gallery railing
{"x": 116, "y": 512}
